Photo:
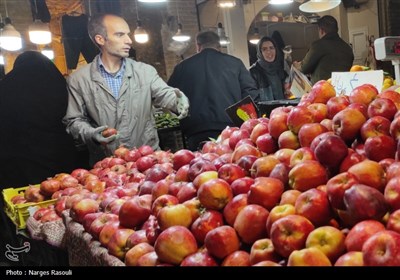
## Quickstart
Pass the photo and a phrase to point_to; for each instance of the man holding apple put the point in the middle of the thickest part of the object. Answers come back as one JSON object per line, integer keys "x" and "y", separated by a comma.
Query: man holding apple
{"x": 117, "y": 92}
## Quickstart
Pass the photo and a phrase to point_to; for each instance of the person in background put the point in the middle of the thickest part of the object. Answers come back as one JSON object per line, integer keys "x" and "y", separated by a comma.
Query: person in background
{"x": 213, "y": 81}
{"x": 34, "y": 143}
{"x": 269, "y": 70}
{"x": 117, "y": 92}
{"x": 328, "y": 54}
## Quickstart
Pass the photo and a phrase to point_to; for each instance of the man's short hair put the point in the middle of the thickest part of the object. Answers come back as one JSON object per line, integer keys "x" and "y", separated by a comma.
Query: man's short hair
{"x": 208, "y": 39}
{"x": 328, "y": 24}
{"x": 96, "y": 27}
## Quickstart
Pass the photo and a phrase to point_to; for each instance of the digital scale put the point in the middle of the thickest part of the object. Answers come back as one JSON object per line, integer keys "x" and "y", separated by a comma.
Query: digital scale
{"x": 388, "y": 48}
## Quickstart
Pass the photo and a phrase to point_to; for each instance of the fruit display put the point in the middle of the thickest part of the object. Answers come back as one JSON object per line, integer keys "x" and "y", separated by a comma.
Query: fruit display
{"x": 315, "y": 184}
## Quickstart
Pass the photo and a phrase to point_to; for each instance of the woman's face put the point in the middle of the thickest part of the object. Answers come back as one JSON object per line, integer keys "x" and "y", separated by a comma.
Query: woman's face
{"x": 268, "y": 51}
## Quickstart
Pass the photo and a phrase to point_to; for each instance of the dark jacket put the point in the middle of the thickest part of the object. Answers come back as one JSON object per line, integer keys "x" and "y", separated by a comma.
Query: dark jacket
{"x": 212, "y": 81}
{"x": 34, "y": 143}
{"x": 326, "y": 55}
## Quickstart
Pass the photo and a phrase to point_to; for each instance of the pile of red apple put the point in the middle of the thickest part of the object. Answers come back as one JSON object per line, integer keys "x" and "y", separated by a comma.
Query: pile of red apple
{"x": 315, "y": 184}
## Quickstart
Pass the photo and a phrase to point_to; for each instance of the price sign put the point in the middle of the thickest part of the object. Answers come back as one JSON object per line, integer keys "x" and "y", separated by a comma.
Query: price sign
{"x": 345, "y": 82}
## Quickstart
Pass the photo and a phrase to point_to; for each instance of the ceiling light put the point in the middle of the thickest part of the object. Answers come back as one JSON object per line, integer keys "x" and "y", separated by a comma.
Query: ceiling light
{"x": 140, "y": 34}
{"x": 279, "y": 2}
{"x": 49, "y": 53}
{"x": 226, "y": 3}
{"x": 223, "y": 39}
{"x": 39, "y": 33}
{"x": 317, "y": 6}
{"x": 10, "y": 38}
{"x": 152, "y": 1}
{"x": 255, "y": 37}
{"x": 179, "y": 36}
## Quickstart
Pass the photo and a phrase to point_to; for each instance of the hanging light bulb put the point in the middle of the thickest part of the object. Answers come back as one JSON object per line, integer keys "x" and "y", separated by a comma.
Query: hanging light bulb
{"x": 223, "y": 39}
{"x": 279, "y": 2}
{"x": 39, "y": 32}
{"x": 317, "y": 6}
{"x": 152, "y": 1}
{"x": 255, "y": 37}
{"x": 10, "y": 38}
{"x": 140, "y": 34}
{"x": 179, "y": 35}
{"x": 48, "y": 52}
{"x": 226, "y": 3}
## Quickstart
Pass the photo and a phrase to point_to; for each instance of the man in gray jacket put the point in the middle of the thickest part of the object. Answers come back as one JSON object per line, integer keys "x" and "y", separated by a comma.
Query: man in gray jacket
{"x": 118, "y": 92}
{"x": 328, "y": 54}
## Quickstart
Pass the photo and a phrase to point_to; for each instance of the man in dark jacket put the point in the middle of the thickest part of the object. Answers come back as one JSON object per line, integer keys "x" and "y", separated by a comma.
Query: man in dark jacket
{"x": 328, "y": 54}
{"x": 212, "y": 81}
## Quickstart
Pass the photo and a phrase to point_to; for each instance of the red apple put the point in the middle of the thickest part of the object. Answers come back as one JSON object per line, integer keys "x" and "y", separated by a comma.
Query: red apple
{"x": 222, "y": 241}
{"x": 308, "y": 132}
{"x": 207, "y": 221}
{"x": 331, "y": 151}
{"x": 227, "y": 132}
{"x": 250, "y": 223}
{"x": 382, "y": 249}
{"x": 236, "y": 136}
{"x": 328, "y": 124}
{"x": 230, "y": 172}
{"x": 308, "y": 257}
{"x": 267, "y": 144}
{"x": 135, "y": 211}
{"x": 263, "y": 250}
{"x": 107, "y": 232}
{"x": 393, "y": 222}
{"x": 392, "y": 95}
{"x": 241, "y": 185}
{"x": 329, "y": 240}
{"x": 336, "y": 186}
{"x": 265, "y": 192}
{"x": 337, "y": 104}
{"x": 284, "y": 155}
{"x": 314, "y": 205}
{"x": 370, "y": 173}
{"x": 245, "y": 150}
{"x": 139, "y": 236}
{"x": 392, "y": 193}
{"x": 278, "y": 124}
{"x": 307, "y": 175}
{"x": 174, "y": 215}
{"x": 299, "y": 116}
{"x": 281, "y": 172}
{"x": 263, "y": 166}
{"x": 117, "y": 243}
{"x": 278, "y": 212}
{"x": 97, "y": 225}
{"x": 260, "y": 129}
{"x": 181, "y": 158}
{"x": 199, "y": 166}
{"x": 380, "y": 147}
{"x": 351, "y": 159}
{"x": 134, "y": 253}
{"x": 174, "y": 244}
{"x": 215, "y": 194}
{"x": 364, "y": 94}
{"x": 301, "y": 155}
{"x": 49, "y": 217}
{"x": 319, "y": 111}
{"x": 347, "y": 123}
{"x": 249, "y": 124}
{"x": 290, "y": 233}
{"x": 382, "y": 107}
{"x": 358, "y": 196}
{"x": 289, "y": 197}
{"x": 83, "y": 207}
{"x": 200, "y": 258}
{"x": 237, "y": 258}
{"x": 322, "y": 91}
{"x": 232, "y": 209}
{"x": 288, "y": 140}
{"x": 352, "y": 258}
{"x": 360, "y": 233}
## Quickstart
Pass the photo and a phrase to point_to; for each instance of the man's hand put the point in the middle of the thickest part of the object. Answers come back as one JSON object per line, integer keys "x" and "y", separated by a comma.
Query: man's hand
{"x": 182, "y": 105}
{"x": 98, "y": 136}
